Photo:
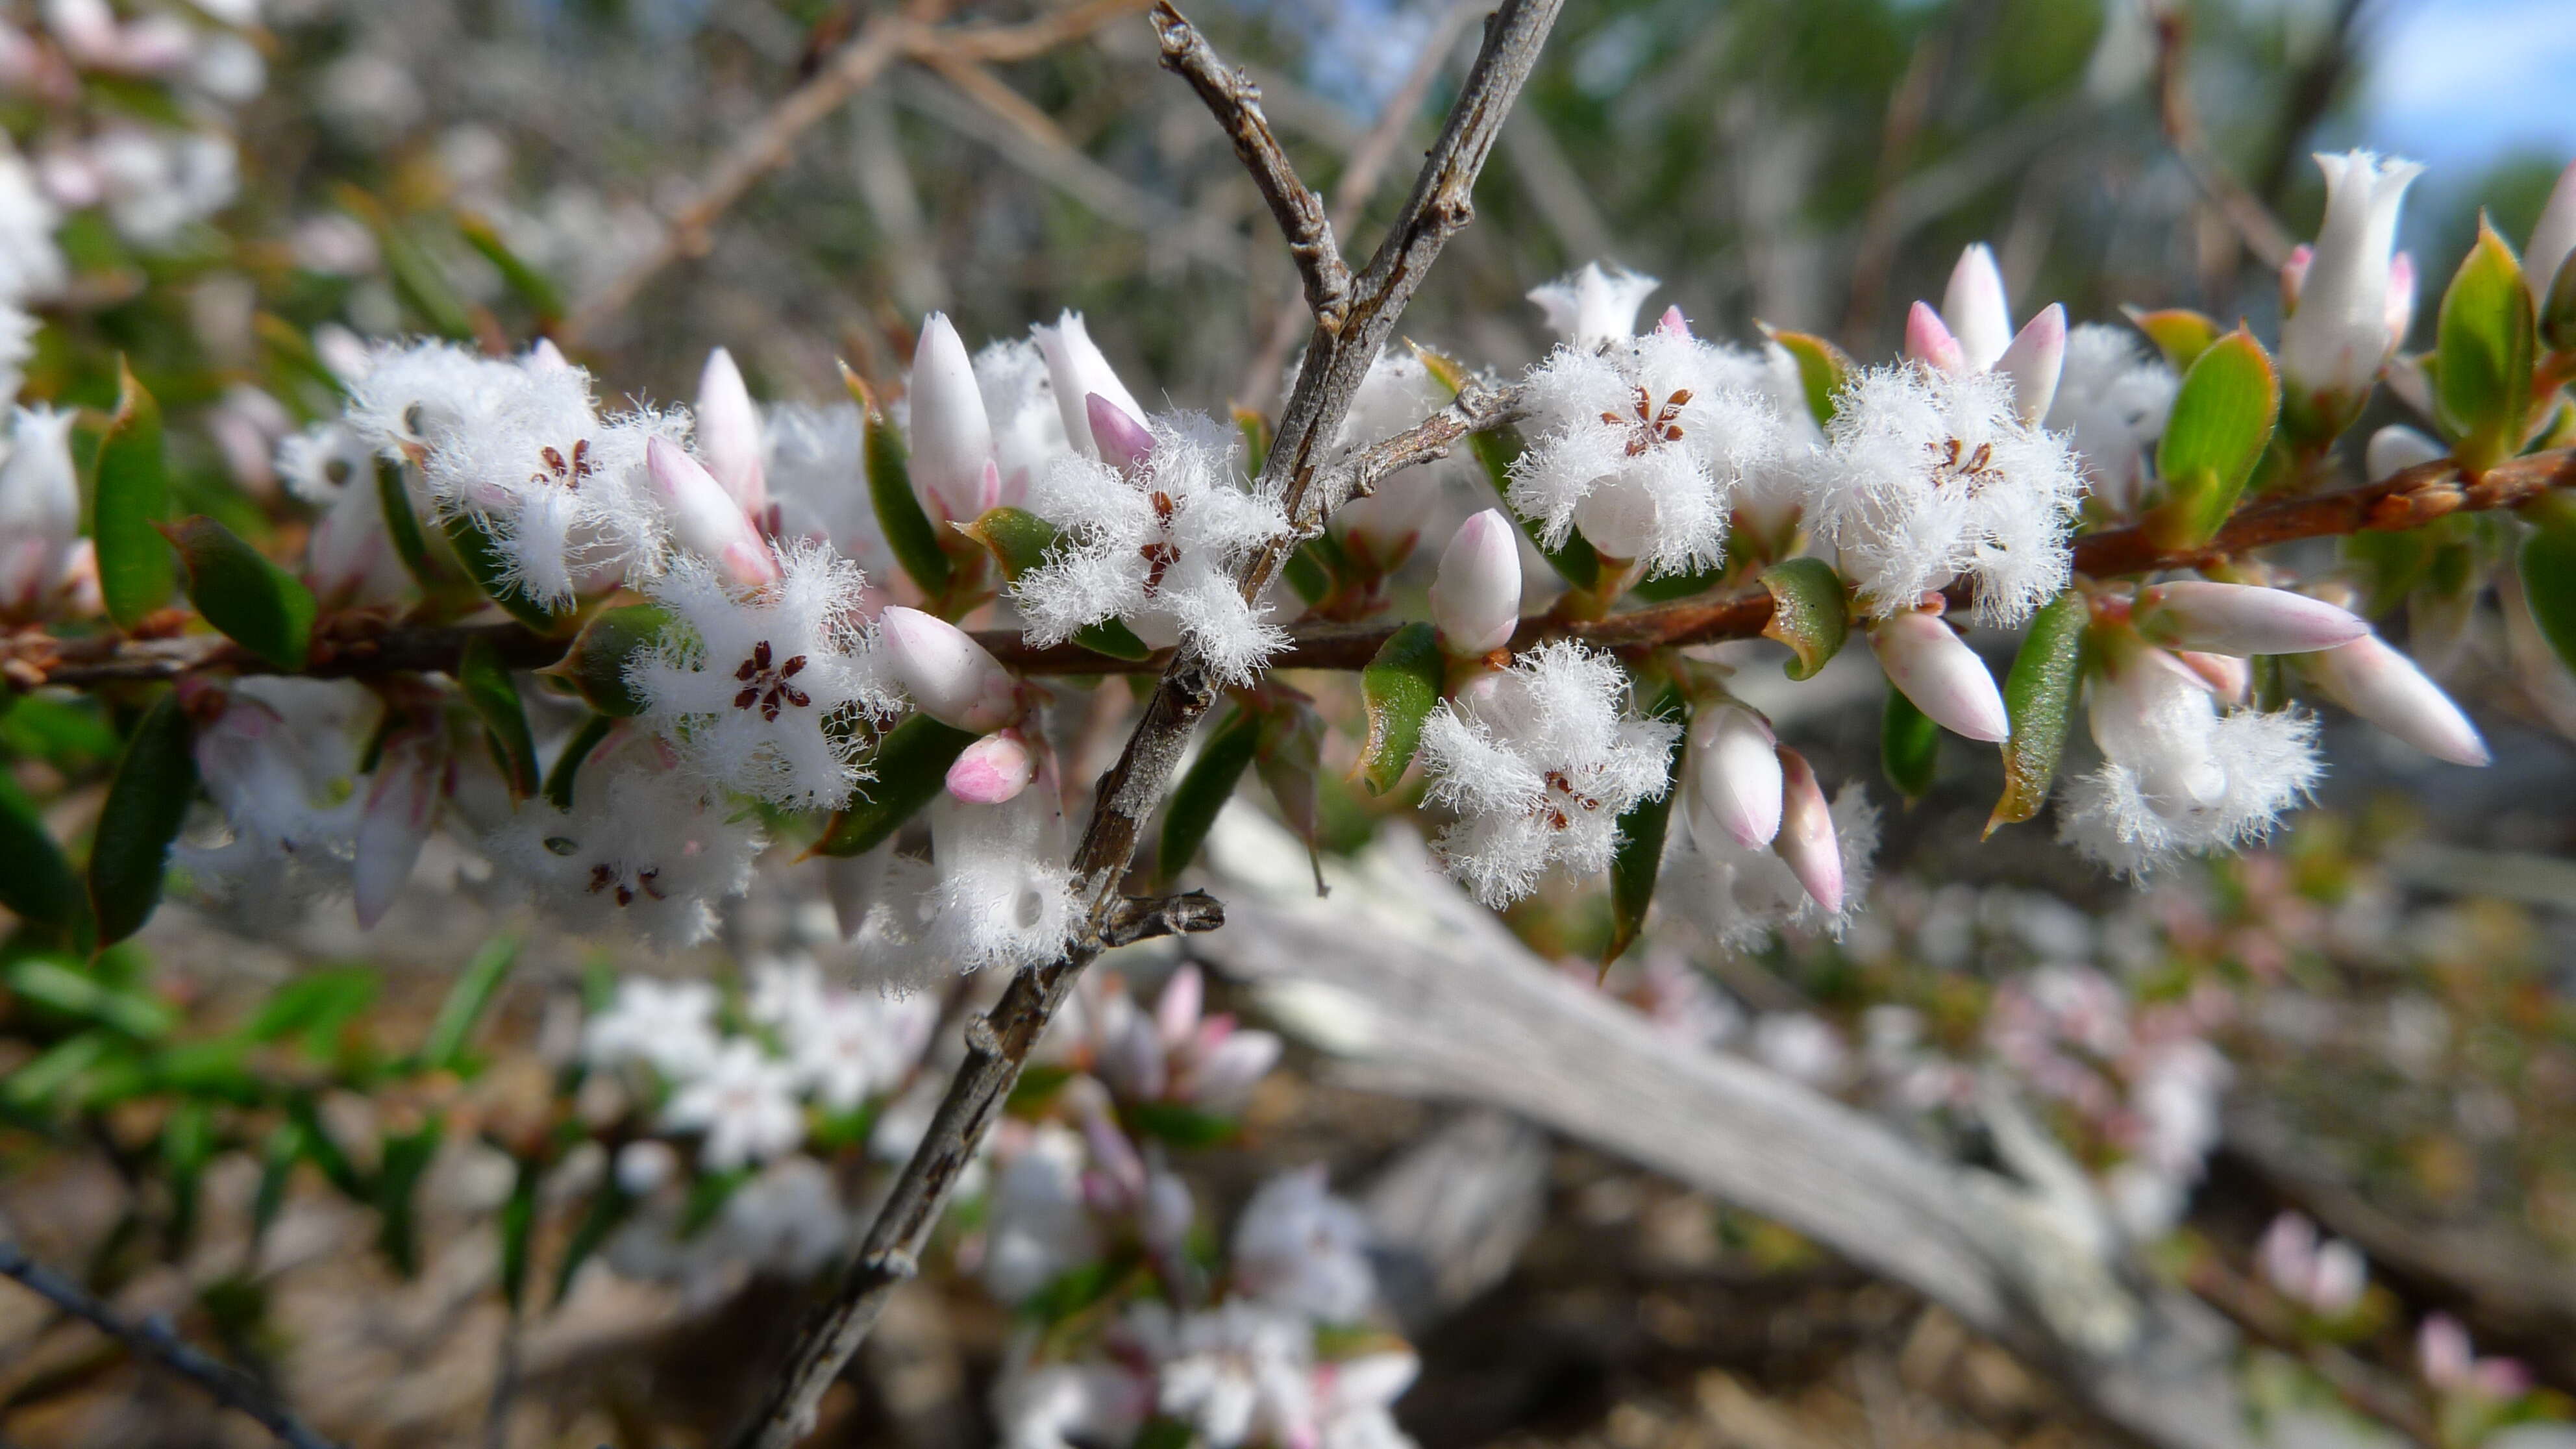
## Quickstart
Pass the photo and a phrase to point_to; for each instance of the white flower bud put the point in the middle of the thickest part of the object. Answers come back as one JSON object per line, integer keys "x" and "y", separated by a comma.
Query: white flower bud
{"x": 1593, "y": 306}
{"x": 729, "y": 433}
{"x": 1734, "y": 786}
{"x": 1974, "y": 309}
{"x": 2241, "y": 619}
{"x": 950, "y": 677}
{"x": 1806, "y": 841}
{"x": 2154, "y": 716}
{"x": 1931, "y": 665}
{"x": 704, "y": 518}
{"x": 1928, "y": 341}
{"x": 2383, "y": 686}
{"x": 542, "y": 357}
{"x": 2337, "y": 340}
{"x": 2553, "y": 237}
{"x": 2034, "y": 362}
{"x": 1476, "y": 598}
{"x": 952, "y": 438}
{"x": 645, "y": 1164}
{"x": 993, "y": 769}
{"x": 1077, "y": 370}
{"x": 39, "y": 511}
{"x": 2335, "y": 1284}
{"x": 2396, "y": 448}
{"x": 1184, "y": 1000}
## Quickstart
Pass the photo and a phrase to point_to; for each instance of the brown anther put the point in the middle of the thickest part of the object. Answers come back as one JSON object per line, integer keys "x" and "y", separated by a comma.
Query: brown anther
{"x": 645, "y": 879}
{"x": 601, "y": 878}
{"x": 760, "y": 654}
{"x": 1160, "y": 555}
{"x": 745, "y": 699}
{"x": 790, "y": 669}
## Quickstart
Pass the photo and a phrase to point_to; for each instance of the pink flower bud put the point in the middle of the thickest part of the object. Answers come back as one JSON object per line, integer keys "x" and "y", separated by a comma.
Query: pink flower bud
{"x": 993, "y": 769}
{"x": 2287, "y": 1253}
{"x": 1673, "y": 323}
{"x": 402, "y": 798}
{"x": 1476, "y": 598}
{"x": 729, "y": 433}
{"x": 2553, "y": 237}
{"x": 1123, "y": 441}
{"x": 1931, "y": 665}
{"x": 1177, "y": 1010}
{"x": 2396, "y": 448}
{"x": 2241, "y": 619}
{"x": 1076, "y": 370}
{"x": 2384, "y": 687}
{"x": 1928, "y": 341}
{"x": 949, "y": 676}
{"x": 1226, "y": 1074}
{"x": 1734, "y": 785}
{"x": 2340, "y": 1275}
{"x": 952, "y": 439}
{"x": 704, "y": 518}
{"x": 1806, "y": 841}
{"x": 2034, "y": 361}
{"x": 1974, "y": 308}
{"x": 2294, "y": 276}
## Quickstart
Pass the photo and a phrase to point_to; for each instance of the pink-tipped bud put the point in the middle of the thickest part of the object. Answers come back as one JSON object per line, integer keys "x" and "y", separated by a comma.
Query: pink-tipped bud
{"x": 1177, "y": 1010}
{"x": 993, "y": 769}
{"x": 1928, "y": 341}
{"x": 952, "y": 439}
{"x": 1974, "y": 307}
{"x": 729, "y": 433}
{"x": 704, "y": 518}
{"x": 2443, "y": 1353}
{"x": 1476, "y": 598}
{"x": 1734, "y": 785}
{"x": 2034, "y": 362}
{"x": 1931, "y": 665}
{"x": 2396, "y": 448}
{"x": 1673, "y": 323}
{"x": 2401, "y": 299}
{"x": 2384, "y": 687}
{"x": 1123, "y": 440}
{"x": 950, "y": 677}
{"x": 1076, "y": 369}
{"x": 2241, "y": 619}
{"x": 2229, "y": 677}
{"x": 1806, "y": 841}
{"x": 2294, "y": 276}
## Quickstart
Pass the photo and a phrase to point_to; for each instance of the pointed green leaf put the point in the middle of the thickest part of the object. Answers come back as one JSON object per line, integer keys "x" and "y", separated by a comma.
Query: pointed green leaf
{"x": 2482, "y": 355}
{"x": 417, "y": 277}
{"x": 2223, "y": 417}
{"x": 313, "y": 1006}
{"x": 2548, "y": 568}
{"x": 567, "y": 768}
{"x": 256, "y": 604}
{"x": 532, "y": 285}
{"x": 444, "y": 1050}
{"x": 411, "y": 545}
{"x": 1307, "y": 574}
{"x": 403, "y": 1159}
{"x": 187, "y": 1145}
{"x": 277, "y": 1158}
{"x": 2178, "y": 332}
{"x": 598, "y": 663}
{"x": 2039, "y": 697}
{"x": 1184, "y": 1127}
{"x": 320, "y": 1148}
{"x": 36, "y": 881}
{"x": 518, "y": 1222}
{"x": 1204, "y": 790}
{"x": 1909, "y": 746}
{"x": 494, "y": 697}
{"x": 2558, "y": 309}
{"x": 908, "y": 530}
{"x": 1640, "y": 857}
{"x": 1822, "y": 369}
{"x": 135, "y": 570}
{"x": 911, "y": 768}
{"x": 61, "y": 987}
{"x": 490, "y": 571}
{"x": 1400, "y": 688}
{"x": 707, "y": 1197}
{"x": 146, "y": 802}
{"x": 1810, "y": 612}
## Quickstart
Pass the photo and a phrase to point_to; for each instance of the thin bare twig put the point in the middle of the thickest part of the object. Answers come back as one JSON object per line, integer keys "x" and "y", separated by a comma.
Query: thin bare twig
{"x": 2245, "y": 212}
{"x": 1337, "y": 357}
{"x": 153, "y": 1339}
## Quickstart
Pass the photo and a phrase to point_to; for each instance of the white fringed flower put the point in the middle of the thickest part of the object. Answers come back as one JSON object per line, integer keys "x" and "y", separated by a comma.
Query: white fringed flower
{"x": 759, "y": 688}
{"x": 1641, "y": 446}
{"x": 1299, "y": 1248}
{"x": 1933, "y": 476}
{"x": 1157, "y": 546}
{"x": 1593, "y": 306}
{"x": 667, "y": 1025}
{"x": 2112, "y": 401}
{"x": 1540, "y": 761}
{"x": 997, "y": 892}
{"x": 1742, "y": 896}
{"x": 2177, "y": 775}
{"x": 644, "y": 844}
{"x": 520, "y": 449}
{"x": 814, "y": 460}
{"x": 745, "y": 1103}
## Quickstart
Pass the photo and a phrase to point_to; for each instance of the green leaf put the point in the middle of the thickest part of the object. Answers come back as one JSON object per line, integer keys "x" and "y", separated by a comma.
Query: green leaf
{"x": 417, "y": 277}
{"x": 321, "y": 1149}
{"x": 1810, "y": 612}
{"x": 1400, "y": 688}
{"x": 32, "y": 1088}
{"x": 1640, "y": 856}
{"x": 911, "y": 768}
{"x": 518, "y": 1222}
{"x": 561, "y": 779}
{"x": 1037, "y": 1087}
{"x": 36, "y": 881}
{"x": 135, "y": 570}
{"x": 2482, "y": 355}
{"x": 146, "y": 802}
{"x": 402, "y": 1162}
{"x": 256, "y": 604}
{"x": 1822, "y": 369}
{"x": 444, "y": 1050}
{"x": 1019, "y": 540}
{"x": 2039, "y": 696}
{"x": 2548, "y": 568}
{"x": 597, "y": 664}
{"x": 2558, "y": 309}
{"x": 411, "y": 545}
{"x": 2223, "y": 417}
{"x": 1181, "y": 1126}
{"x": 2388, "y": 564}
{"x": 494, "y": 697}
{"x": 607, "y": 1210}
{"x": 531, "y": 285}
{"x": 491, "y": 573}
{"x": 1204, "y": 790}
{"x": 2178, "y": 332}
{"x": 908, "y": 530}
{"x": 1307, "y": 574}
{"x": 707, "y": 1197}
{"x": 1909, "y": 745}
{"x": 277, "y": 1158}
{"x": 314, "y": 1006}
{"x": 83, "y": 995}
{"x": 187, "y": 1145}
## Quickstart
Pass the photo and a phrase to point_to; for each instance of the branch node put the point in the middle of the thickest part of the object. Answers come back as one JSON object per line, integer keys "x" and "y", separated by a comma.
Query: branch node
{"x": 1144, "y": 918}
